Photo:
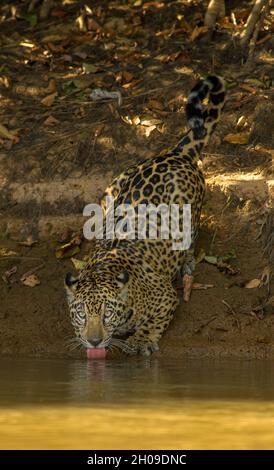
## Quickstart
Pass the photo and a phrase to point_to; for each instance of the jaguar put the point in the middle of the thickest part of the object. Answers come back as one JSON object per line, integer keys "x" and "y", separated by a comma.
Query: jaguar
{"x": 124, "y": 297}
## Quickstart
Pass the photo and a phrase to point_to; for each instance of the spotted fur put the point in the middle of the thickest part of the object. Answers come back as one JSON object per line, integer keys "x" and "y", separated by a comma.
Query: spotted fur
{"x": 125, "y": 296}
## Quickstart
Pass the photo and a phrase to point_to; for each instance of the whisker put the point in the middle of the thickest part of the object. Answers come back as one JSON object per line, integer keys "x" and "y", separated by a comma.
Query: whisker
{"x": 72, "y": 347}
{"x": 84, "y": 342}
{"x": 68, "y": 336}
{"x": 123, "y": 345}
{"x": 72, "y": 340}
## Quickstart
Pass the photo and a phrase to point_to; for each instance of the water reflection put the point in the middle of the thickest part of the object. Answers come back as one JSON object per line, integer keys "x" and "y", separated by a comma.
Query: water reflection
{"x": 139, "y": 404}
{"x": 62, "y": 382}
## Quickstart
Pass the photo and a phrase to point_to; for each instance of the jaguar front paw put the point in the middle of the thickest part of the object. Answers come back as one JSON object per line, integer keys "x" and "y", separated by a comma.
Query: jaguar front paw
{"x": 144, "y": 349}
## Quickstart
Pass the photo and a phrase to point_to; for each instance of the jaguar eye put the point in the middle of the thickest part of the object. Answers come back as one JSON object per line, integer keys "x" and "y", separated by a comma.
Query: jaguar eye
{"x": 80, "y": 314}
{"x": 80, "y": 309}
{"x": 108, "y": 316}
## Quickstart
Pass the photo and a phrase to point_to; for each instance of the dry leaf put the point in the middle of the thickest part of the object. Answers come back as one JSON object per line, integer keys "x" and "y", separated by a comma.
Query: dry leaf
{"x": 184, "y": 58}
{"x": 198, "y": 285}
{"x": 99, "y": 129}
{"x": 6, "y": 81}
{"x": 4, "y": 132}
{"x": 266, "y": 276}
{"x": 270, "y": 301}
{"x": 53, "y": 38}
{"x": 248, "y": 88}
{"x": 154, "y": 104}
{"x": 78, "y": 263}
{"x": 77, "y": 239}
{"x": 253, "y": 284}
{"x": 31, "y": 281}
{"x": 66, "y": 58}
{"x": 127, "y": 76}
{"x": 257, "y": 313}
{"x": 51, "y": 88}
{"x": 48, "y": 100}
{"x": 148, "y": 5}
{"x": 9, "y": 273}
{"x": 7, "y": 252}
{"x": 93, "y": 25}
{"x": 198, "y": 31}
{"x": 80, "y": 20}
{"x": 255, "y": 82}
{"x": 28, "y": 242}
{"x": 226, "y": 23}
{"x": 135, "y": 120}
{"x": 211, "y": 259}
{"x": 241, "y": 121}
{"x": 66, "y": 251}
{"x": 148, "y": 130}
{"x": 240, "y": 138}
{"x": 89, "y": 68}
{"x": 54, "y": 48}
{"x": 51, "y": 121}
{"x": 150, "y": 121}
{"x": 82, "y": 55}
{"x": 131, "y": 84}
{"x": 227, "y": 268}
{"x": 69, "y": 249}
{"x": 181, "y": 56}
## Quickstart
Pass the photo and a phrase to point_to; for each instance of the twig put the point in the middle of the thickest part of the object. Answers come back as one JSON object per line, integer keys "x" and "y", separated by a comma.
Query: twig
{"x": 32, "y": 271}
{"x": 254, "y": 38}
{"x": 251, "y": 21}
{"x": 215, "y": 10}
{"x": 232, "y": 312}
{"x": 264, "y": 39}
{"x": 218, "y": 154}
{"x": 204, "y": 324}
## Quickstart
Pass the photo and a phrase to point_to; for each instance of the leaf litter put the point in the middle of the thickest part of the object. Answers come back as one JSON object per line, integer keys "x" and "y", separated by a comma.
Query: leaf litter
{"x": 68, "y": 250}
{"x": 8, "y": 275}
{"x": 63, "y": 45}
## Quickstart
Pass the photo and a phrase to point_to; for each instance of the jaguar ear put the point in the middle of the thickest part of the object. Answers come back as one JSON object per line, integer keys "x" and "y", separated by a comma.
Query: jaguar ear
{"x": 70, "y": 285}
{"x": 122, "y": 281}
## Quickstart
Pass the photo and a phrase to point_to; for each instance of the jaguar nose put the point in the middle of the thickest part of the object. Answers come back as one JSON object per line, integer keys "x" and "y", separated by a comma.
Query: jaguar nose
{"x": 94, "y": 341}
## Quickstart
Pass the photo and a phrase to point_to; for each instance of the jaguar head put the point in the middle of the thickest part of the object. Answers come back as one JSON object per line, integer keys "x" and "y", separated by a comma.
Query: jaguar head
{"x": 99, "y": 307}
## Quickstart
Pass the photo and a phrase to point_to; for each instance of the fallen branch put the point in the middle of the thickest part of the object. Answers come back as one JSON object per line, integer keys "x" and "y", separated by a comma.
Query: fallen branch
{"x": 32, "y": 271}
{"x": 215, "y": 10}
{"x": 252, "y": 21}
{"x": 257, "y": 29}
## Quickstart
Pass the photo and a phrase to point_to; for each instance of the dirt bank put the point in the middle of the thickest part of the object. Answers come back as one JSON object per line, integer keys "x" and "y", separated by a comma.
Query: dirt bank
{"x": 64, "y": 154}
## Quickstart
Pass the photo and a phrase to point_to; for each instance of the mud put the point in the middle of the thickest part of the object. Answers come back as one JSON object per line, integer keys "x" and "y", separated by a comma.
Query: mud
{"x": 52, "y": 172}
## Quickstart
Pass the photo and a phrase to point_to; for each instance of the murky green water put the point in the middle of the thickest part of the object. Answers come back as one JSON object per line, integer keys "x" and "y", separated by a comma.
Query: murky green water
{"x": 136, "y": 404}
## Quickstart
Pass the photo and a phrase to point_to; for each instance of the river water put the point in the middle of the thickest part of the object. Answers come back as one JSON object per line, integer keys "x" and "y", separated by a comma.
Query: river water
{"x": 136, "y": 404}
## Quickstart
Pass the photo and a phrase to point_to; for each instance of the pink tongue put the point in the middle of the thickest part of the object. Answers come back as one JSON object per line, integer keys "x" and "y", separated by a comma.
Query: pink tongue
{"x": 96, "y": 353}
